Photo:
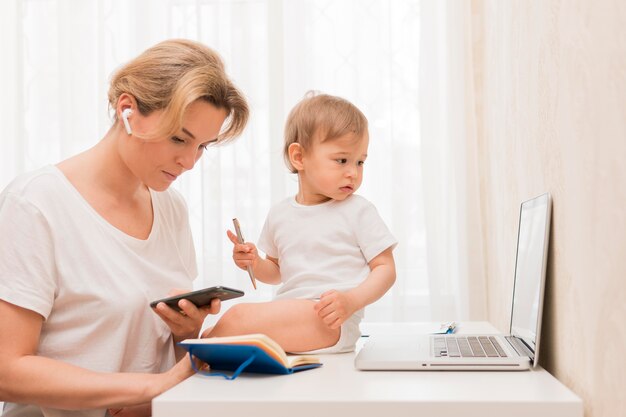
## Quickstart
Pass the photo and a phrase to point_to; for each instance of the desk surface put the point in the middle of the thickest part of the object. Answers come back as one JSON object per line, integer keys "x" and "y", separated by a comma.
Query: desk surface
{"x": 337, "y": 389}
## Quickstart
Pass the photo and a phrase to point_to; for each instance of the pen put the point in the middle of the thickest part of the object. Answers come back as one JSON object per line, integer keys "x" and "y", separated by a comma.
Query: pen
{"x": 451, "y": 327}
{"x": 241, "y": 240}
{"x": 448, "y": 327}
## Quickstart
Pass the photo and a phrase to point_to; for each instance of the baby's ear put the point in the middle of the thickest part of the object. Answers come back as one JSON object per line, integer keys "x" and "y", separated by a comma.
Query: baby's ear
{"x": 295, "y": 156}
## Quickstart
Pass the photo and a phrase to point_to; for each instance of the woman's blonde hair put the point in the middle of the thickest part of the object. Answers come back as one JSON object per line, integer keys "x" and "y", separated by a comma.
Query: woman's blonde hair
{"x": 173, "y": 74}
{"x": 321, "y": 117}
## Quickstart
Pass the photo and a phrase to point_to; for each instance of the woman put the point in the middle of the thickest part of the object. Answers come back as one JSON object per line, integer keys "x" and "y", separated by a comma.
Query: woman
{"x": 88, "y": 243}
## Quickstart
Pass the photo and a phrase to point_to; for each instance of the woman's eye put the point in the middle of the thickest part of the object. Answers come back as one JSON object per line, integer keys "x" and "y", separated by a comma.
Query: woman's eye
{"x": 176, "y": 139}
{"x": 208, "y": 144}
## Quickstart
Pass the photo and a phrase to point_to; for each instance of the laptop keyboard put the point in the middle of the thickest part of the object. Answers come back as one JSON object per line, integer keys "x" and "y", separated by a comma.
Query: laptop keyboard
{"x": 467, "y": 347}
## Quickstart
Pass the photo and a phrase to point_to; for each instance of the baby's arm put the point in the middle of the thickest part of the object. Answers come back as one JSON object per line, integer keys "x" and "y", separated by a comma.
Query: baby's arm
{"x": 246, "y": 254}
{"x": 336, "y": 307}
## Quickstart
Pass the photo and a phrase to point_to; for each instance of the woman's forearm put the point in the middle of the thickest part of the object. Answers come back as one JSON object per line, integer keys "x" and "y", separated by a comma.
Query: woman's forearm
{"x": 52, "y": 383}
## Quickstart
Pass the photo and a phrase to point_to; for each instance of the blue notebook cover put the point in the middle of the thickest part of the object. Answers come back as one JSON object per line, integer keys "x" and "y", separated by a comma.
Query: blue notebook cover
{"x": 238, "y": 358}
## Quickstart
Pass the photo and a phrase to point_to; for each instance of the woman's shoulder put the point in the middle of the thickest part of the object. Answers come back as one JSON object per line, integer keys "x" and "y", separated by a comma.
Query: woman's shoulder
{"x": 171, "y": 205}
{"x": 171, "y": 198}
{"x": 34, "y": 185}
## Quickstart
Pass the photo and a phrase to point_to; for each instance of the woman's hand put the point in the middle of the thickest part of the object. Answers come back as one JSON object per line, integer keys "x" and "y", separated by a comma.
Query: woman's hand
{"x": 186, "y": 323}
{"x": 178, "y": 373}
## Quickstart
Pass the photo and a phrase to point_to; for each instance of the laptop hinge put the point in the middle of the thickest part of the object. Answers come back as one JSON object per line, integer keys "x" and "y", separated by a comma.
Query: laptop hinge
{"x": 521, "y": 347}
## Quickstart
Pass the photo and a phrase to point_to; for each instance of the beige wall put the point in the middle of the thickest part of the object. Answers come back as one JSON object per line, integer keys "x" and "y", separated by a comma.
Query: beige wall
{"x": 550, "y": 79}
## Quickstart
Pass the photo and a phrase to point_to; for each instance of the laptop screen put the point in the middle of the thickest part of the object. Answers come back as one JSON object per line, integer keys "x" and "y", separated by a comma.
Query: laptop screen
{"x": 530, "y": 267}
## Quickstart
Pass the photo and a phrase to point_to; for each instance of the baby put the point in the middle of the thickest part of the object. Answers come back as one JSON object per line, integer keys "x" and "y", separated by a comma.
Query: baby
{"x": 328, "y": 247}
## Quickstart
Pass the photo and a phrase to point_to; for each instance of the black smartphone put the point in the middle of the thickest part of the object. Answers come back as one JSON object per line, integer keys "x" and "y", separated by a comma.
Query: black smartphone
{"x": 201, "y": 297}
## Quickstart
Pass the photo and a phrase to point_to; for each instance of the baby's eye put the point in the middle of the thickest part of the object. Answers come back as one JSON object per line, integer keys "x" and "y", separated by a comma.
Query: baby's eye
{"x": 360, "y": 163}
{"x": 342, "y": 160}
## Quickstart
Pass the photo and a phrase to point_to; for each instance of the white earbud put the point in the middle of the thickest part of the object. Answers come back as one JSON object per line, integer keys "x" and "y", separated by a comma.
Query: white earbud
{"x": 125, "y": 114}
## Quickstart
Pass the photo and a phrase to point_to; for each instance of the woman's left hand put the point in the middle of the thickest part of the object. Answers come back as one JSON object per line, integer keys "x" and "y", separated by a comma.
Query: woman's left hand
{"x": 188, "y": 322}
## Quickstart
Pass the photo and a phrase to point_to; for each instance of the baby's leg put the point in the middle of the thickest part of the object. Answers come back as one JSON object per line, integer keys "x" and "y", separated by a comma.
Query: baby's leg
{"x": 292, "y": 323}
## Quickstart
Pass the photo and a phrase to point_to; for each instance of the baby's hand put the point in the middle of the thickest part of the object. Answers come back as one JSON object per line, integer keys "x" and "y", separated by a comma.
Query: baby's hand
{"x": 244, "y": 254}
{"x": 334, "y": 308}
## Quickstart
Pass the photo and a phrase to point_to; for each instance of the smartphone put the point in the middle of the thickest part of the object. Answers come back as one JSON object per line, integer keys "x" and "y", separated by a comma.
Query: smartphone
{"x": 201, "y": 297}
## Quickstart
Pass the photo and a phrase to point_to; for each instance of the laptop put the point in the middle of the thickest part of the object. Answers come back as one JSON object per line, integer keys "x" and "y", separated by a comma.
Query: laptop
{"x": 517, "y": 350}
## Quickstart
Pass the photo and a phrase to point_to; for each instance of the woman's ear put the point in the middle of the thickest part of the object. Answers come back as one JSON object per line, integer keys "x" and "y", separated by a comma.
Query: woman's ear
{"x": 125, "y": 101}
{"x": 296, "y": 154}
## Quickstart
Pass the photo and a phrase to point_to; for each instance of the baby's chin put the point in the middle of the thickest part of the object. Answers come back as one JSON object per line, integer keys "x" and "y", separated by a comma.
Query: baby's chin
{"x": 342, "y": 197}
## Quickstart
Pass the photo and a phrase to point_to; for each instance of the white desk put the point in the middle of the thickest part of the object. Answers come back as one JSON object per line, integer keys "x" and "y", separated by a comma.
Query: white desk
{"x": 337, "y": 389}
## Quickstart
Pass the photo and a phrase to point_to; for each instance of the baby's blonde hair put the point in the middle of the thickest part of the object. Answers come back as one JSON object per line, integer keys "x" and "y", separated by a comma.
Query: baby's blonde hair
{"x": 321, "y": 117}
{"x": 173, "y": 74}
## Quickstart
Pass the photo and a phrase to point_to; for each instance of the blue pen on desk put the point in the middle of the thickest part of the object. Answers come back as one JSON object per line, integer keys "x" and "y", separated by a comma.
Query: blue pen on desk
{"x": 447, "y": 328}
{"x": 451, "y": 327}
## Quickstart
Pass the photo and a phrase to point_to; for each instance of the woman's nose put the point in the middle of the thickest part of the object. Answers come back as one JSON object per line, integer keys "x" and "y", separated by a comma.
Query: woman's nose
{"x": 188, "y": 159}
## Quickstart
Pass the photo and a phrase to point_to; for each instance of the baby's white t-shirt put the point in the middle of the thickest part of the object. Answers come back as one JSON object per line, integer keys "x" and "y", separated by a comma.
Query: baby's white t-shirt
{"x": 324, "y": 246}
{"x": 91, "y": 282}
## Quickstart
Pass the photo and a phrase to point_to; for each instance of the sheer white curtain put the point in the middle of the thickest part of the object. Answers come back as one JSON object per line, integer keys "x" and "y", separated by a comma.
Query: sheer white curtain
{"x": 57, "y": 57}
{"x": 448, "y": 156}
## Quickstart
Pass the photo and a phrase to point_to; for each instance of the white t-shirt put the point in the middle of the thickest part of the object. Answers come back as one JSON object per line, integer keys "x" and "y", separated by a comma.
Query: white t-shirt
{"x": 325, "y": 246}
{"x": 90, "y": 281}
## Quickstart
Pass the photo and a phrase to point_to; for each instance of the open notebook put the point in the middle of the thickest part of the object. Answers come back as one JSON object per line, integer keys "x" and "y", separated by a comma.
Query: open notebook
{"x": 256, "y": 353}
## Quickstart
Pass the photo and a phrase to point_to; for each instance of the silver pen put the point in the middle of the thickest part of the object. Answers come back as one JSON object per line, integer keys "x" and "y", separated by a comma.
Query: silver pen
{"x": 241, "y": 240}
